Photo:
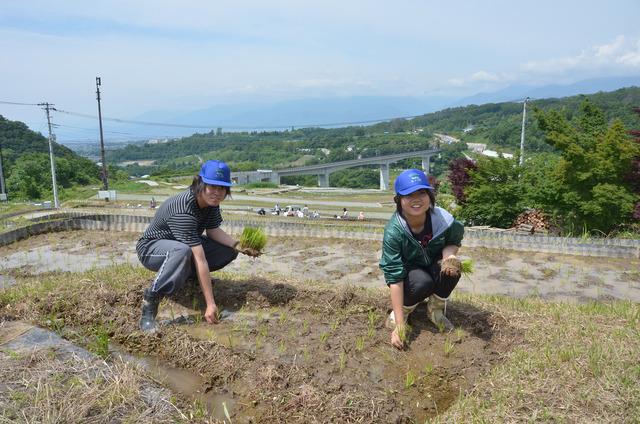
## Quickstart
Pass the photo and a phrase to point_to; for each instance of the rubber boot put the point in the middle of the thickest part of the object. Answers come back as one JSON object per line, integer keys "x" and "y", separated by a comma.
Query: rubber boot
{"x": 391, "y": 320}
{"x": 436, "y": 308}
{"x": 150, "y": 302}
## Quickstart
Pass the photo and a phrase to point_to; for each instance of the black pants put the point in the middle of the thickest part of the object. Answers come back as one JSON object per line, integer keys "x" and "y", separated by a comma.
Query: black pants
{"x": 421, "y": 283}
{"x": 174, "y": 263}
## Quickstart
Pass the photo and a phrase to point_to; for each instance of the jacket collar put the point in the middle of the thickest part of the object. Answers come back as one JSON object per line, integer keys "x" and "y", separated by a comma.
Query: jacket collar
{"x": 440, "y": 221}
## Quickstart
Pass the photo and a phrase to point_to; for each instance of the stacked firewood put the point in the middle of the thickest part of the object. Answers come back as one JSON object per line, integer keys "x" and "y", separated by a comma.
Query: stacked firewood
{"x": 532, "y": 221}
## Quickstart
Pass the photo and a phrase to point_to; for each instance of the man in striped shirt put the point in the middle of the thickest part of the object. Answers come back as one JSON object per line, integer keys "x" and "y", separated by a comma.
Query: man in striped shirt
{"x": 174, "y": 245}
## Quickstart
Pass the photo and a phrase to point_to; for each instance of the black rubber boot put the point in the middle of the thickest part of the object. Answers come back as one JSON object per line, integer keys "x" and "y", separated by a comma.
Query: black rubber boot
{"x": 150, "y": 302}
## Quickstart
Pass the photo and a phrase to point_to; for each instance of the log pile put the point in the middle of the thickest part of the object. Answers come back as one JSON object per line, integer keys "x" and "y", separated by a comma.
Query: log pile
{"x": 532, "y": 221}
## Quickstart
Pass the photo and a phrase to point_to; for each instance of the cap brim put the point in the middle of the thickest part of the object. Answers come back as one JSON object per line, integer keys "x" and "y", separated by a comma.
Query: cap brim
{"x": 413, "y": 189}
{"x": 215, "y": 182}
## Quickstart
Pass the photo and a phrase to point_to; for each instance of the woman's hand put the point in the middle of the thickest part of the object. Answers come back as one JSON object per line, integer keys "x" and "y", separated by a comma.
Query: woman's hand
{"x": 396, "y": 341}
{"x": 211, "y": 314}
{"x": 451, "y": 266}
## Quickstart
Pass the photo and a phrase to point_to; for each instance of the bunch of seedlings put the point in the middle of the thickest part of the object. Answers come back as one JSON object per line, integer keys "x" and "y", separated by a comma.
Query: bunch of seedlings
{"x": 253, "y": 238}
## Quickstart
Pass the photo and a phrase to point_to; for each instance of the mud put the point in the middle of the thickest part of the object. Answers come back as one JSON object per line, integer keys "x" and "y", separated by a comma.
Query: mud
{"x": 496, "y": 271}
{"x": 302, "y": 335}
{"x": 286, "y": 351}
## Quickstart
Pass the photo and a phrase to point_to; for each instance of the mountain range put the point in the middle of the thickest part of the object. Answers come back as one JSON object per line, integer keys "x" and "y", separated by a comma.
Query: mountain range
{"x": 332, "y": 111}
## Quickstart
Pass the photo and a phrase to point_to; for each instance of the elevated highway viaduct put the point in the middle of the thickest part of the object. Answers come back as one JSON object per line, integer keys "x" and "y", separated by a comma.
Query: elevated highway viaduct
{"x": 324, "y": 170}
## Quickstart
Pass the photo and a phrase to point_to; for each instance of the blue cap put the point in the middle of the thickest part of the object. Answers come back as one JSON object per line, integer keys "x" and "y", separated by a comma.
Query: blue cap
{"x": 216, "y": 172}
{"x": 411, "y": 180}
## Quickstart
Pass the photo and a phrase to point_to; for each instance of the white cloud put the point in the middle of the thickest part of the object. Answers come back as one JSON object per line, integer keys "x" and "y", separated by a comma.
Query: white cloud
{"x": 620, "y": 54}
{"x": 479, "y": 77}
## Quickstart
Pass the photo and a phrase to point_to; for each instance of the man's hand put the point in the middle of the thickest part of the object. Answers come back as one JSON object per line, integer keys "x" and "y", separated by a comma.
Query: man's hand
{"x": 451, "y": 266}
{"x": 211, "y": 314}
{"x": 248, "y": 251}
{"x": 396, "y": 341}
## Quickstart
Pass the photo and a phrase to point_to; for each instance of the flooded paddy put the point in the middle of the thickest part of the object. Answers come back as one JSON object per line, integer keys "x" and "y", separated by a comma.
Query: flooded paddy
{"x": 496, "y": 271}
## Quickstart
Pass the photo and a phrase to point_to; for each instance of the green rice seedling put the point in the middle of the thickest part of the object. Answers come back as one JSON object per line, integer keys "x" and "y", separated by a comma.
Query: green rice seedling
{"x": 263, "y": 330}
{"x": 428, "y": 368}
{"x": 342, "y": 360}
{"x": 323, "y": 337}
{"x": 371, "y": 332}
{"x": 100, "y": 343}
{"x": 305, "y": 354}
{"x": 403, "y": 332}
{"x": 335, "y": 324}
{"x": 282, "y": 346}
{"x": 305, "y": 326}
{"x": 373, "y": 318}
{"x": 283, "y": 317}
{"x": 459, "y": 333}
{"x": 409, "y": 379}
{"x": 448, "y": 346}
{"x": 467, "y": 266}
{"x": 253, "y": 238}
{"x": 359, "y": 343}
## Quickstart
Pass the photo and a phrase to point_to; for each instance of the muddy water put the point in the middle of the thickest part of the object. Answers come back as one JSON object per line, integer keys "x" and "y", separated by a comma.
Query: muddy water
{"x": 511, "y": 273}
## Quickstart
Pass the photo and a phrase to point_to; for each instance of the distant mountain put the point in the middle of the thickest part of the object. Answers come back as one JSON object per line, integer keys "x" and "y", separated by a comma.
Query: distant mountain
{"x": 327, "y": 112}
{"x": 519, "y": 92}
{"x": 335, "y": 111}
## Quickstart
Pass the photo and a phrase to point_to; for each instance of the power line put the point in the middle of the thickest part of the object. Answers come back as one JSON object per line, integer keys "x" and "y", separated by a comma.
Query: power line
{"x": 239, "y": 127}
{"x": 17, "y": 103}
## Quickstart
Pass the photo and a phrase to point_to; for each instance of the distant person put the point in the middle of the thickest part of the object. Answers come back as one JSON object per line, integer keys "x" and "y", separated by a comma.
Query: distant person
{"x": 419, "y": 250}
{"x": 345, "y": 213}
{"x": 305, "y": 210}
{"x": 300, "y": 214}
{"x": 174, "y": 245}
{"x": 152, "y": 203}
{"x": 262, "y": 212}
{"x": 361, "y": 216}
{"x": 277, "y": 209}
{"x": 315, "y": 215}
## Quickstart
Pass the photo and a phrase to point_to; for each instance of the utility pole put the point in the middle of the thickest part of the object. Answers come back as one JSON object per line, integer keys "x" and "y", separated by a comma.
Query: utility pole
{"x": 3, "y": 193}
{"x": 105, "y": 179}
{"x": 524, "y": 117}
{"x": 48, "y": 107}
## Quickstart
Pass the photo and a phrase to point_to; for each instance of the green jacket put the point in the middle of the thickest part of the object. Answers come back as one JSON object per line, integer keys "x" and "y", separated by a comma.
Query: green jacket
{"x": 401, "y": 251}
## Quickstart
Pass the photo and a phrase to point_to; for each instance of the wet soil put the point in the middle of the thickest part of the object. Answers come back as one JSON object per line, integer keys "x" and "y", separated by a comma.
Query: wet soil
{"x": 496, "y": 271}
{"x": 302, "y": 335}
{"x": 287, "y": 351}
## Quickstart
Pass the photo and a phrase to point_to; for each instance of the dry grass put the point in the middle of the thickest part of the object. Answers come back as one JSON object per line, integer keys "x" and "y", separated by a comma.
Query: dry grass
{"x": 41, "y": 387}
{"x": 579, "y": 364}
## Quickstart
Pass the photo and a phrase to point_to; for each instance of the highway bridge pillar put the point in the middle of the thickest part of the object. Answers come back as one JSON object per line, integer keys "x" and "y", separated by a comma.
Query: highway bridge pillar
{"x": 425, "y": 164}
{"x": 275, "y": 178}
{"x": 323, "y": 179}
{"x": 384, "y": 176}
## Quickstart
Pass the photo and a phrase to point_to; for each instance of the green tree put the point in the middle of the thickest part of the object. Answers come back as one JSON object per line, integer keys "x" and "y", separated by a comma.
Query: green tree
{"x": 495, "y": 194}
{"x": 594, "y": 159}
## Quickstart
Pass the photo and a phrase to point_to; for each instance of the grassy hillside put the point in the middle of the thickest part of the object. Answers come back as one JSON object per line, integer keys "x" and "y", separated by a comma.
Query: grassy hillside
{"x": 26, "y": 163}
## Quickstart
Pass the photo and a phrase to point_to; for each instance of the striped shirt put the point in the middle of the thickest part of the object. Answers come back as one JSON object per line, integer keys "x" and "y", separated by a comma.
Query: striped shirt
{"x": 179, "y": 218}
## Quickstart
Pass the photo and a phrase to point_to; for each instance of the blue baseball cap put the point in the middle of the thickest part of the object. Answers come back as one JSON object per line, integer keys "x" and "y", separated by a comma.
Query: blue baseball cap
{"x": 411, "y": 180}
{"x": 216, "y": 172}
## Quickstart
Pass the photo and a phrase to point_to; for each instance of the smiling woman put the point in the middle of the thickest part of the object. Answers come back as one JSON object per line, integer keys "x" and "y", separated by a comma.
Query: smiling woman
{"x": 419, "y": 255}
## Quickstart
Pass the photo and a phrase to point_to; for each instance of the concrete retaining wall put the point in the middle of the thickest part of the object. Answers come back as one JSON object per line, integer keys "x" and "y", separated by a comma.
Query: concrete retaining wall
{"x": 622, "y": 248}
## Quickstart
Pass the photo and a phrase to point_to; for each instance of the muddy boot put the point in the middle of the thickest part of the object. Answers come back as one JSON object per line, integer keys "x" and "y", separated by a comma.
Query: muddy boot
{"x": 150, "y": 302}
{"x": 391, "y": 320}
{"x": 436, "y": 308}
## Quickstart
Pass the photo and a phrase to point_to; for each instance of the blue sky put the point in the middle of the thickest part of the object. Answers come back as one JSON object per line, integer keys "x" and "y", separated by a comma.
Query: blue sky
{"x": 193, "y": 54}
